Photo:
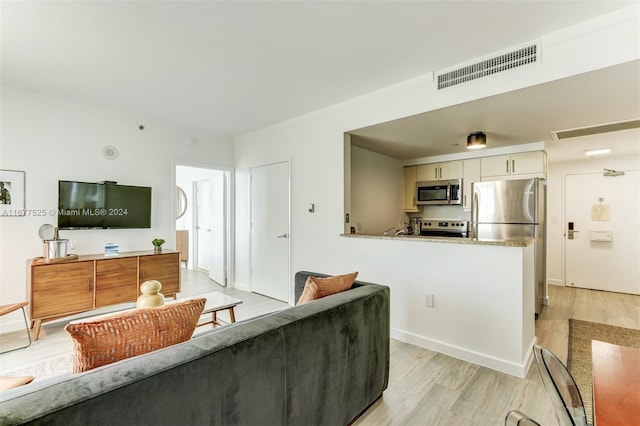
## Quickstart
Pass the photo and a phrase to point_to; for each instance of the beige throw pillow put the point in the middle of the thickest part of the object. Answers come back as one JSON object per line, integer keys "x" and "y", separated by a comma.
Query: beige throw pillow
{"x": 316, "y": 288}
{"x": 131, "y": 333}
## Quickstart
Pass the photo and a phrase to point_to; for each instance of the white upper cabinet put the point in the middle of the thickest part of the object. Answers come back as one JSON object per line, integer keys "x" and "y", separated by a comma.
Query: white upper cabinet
{"x": 522, "y": 165}
{"x": 410, "y": 189}
{"x": 439, "y": 171}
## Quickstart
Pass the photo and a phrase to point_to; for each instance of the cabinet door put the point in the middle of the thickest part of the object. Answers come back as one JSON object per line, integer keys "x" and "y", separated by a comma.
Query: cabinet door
{"x": 471, "y": 170}
{"x": 528, "y": 163}
{"x": 116, "y": 281}
{"x": 61, "y": 289}
{"x": 450, "y": 170}
{"x": 498, "y": 165}
{"x": 164, "y": 268}
{"x": 426, "y": 172}
{"x": 410, "y": 174}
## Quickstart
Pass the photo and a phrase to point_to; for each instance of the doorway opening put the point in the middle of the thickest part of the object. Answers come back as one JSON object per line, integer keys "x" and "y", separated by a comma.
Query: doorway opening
{"x": 203, "y": 220}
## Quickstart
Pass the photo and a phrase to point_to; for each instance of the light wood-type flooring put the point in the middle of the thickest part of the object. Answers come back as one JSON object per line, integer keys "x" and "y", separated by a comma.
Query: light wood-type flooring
{"x": 425, "y": 387}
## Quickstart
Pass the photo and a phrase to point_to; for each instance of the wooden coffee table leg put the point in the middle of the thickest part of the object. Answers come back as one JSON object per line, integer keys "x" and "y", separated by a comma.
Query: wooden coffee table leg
{"x": 214, "y": 318}
{"x": 232, "y": 314}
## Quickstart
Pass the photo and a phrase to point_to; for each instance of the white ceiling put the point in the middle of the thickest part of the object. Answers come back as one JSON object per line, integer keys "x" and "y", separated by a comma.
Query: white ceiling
{"x": 231, "y": 67}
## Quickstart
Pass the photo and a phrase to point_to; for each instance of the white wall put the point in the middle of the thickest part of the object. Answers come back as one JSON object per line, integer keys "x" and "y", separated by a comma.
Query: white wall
{"x": 52, "y": 139}
{"x": 555, "y": 203}
{"x": 314, "y": 144}
{"x": 377, "y": 191}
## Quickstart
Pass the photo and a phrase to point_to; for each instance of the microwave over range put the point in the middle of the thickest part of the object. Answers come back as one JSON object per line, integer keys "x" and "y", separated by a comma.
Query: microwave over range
{"x": 439, "y": 192}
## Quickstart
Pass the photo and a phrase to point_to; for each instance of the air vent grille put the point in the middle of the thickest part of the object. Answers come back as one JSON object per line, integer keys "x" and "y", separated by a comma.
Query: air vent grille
{"x": 514, "y": 59}
{"x": 595, "y": 130}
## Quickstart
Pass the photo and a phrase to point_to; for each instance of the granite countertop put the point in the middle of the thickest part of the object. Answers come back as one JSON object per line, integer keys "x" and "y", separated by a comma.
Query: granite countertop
{"x": 515, "y": 242}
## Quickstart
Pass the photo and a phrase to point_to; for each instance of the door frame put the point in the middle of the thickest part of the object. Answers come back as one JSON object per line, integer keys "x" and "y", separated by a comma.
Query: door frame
{"x": 289, "y": 240}
{"x": 229, "y": 211}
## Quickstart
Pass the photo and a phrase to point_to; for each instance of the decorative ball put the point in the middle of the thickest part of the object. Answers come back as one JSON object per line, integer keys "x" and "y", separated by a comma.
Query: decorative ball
{"x": 151, "y": 296}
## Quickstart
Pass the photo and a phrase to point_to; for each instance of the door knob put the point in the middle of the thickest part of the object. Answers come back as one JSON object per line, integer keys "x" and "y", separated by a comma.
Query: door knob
{"x": 285, "y": 235}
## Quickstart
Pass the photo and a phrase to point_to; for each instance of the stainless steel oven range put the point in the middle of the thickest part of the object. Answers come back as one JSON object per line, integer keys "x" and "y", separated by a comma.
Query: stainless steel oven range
{"x": 444, "y": 228}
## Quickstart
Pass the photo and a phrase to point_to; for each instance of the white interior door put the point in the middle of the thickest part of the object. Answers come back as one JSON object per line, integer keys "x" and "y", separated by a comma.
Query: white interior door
{"x": 270, "y": 230}
{"x": 218, "y": 237}
{"x": 603, "y": 250}
{"x": 203, "y": 224}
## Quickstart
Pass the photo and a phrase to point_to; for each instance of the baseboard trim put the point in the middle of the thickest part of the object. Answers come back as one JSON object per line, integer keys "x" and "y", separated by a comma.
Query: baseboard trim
{"x": 243, "y": 287}
{"x": 504, "y": 366}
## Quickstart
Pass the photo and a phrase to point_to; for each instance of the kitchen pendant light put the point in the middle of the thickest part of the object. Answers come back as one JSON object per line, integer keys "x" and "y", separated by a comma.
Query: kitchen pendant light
{"x": 476, "y": 140}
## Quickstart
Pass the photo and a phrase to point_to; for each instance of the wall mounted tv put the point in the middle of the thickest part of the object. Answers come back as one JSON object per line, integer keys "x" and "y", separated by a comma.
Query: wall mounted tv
{"x": 85, "y": 205}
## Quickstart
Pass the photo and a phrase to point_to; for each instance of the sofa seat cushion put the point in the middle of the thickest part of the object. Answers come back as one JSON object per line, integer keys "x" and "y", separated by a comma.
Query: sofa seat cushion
{"x": 316, "y": 287}
{"x": 131, "y": 333}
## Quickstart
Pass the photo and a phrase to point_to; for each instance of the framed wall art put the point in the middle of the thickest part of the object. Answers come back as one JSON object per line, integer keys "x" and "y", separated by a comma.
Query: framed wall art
{"x": 11, "y": 193}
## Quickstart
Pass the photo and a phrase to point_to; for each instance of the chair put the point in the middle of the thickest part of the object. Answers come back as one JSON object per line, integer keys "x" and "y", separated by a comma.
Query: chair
{"x": 7, "y": 309}
{"x": 561, "y": 388}
{"x": 516, "y": 418}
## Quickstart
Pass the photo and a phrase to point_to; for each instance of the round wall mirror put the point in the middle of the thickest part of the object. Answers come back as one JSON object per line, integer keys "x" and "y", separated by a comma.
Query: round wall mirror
{"x": 181, "y": 202}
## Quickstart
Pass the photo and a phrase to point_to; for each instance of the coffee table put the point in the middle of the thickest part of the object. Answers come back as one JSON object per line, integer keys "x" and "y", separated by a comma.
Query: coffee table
{"x": 216, "y": 302}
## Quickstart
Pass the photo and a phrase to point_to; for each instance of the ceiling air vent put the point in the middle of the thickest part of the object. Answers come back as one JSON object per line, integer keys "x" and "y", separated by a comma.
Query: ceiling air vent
{"x": 513, "y": 59}
{"x": 595, "y": 130}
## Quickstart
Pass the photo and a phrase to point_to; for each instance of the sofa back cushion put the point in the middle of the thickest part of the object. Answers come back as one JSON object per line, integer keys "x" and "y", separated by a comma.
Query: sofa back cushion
{"x": 127, "y": 334}
{"x": 318, "y": 287}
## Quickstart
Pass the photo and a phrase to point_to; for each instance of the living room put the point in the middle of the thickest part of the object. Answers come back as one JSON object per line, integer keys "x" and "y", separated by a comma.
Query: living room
{"x": 54, "y": 137}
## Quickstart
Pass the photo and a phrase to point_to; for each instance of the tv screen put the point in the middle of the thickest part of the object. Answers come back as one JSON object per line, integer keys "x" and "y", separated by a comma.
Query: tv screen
{"x": 85, "y": 205}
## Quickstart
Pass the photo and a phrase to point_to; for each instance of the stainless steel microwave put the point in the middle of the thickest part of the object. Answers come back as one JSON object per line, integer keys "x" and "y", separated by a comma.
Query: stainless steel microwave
{"x": 439, "y": 192}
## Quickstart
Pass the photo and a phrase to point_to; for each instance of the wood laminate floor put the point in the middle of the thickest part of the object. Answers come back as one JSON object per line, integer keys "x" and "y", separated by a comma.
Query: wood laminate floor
{"x": 425, "y": 387}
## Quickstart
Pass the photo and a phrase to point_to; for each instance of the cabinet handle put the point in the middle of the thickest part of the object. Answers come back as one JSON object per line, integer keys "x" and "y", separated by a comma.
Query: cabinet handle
{"x": 89, "y": 284}
{"x": 464, "y": 203}
{"x": 435, "y": 173}
{"x": 439, "y": 172}
{"x": 513, "y": 166}
{"x": 143, "y": 275}
{"x": 507, "y": 166}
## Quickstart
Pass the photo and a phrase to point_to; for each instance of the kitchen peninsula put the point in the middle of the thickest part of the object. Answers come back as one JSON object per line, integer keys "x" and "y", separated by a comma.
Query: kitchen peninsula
{"x": 513, "y": 242}
{"x": 468, "y": 298}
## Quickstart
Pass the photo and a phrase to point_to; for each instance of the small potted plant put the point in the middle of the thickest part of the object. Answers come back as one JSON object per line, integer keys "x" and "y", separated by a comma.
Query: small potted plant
{"x": 157, "y": 245}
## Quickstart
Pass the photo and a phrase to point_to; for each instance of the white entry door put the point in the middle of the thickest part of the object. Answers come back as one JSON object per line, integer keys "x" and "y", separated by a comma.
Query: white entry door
{"x": 270, "y": 230}
{"x": 603, "y": 248}
{"x": 211, "y": 226}
{"x": 203, "y": 224}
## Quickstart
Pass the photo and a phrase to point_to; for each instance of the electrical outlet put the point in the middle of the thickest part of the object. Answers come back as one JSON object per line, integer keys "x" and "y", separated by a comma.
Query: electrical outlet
{"x": 346, "y": 218}
{"x": 428, "y": 300}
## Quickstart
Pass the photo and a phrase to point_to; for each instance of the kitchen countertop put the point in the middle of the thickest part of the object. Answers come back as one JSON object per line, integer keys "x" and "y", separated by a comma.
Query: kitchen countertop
{"x": 515, "y": 242}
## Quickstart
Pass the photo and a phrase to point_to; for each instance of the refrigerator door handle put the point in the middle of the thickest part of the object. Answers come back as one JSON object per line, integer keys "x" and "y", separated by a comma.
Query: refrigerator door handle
{"x": 474, "y": 211}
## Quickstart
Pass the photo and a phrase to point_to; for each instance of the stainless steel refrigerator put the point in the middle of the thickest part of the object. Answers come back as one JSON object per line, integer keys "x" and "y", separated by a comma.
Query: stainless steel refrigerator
{"x": 514, "y": 210}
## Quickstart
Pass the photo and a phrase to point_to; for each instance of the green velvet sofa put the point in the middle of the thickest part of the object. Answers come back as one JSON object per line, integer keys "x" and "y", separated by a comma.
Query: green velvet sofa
{"x": 321, "y": 363}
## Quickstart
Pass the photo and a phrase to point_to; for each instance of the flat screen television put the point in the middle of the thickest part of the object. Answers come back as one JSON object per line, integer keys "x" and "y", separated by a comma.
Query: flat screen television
{"x": 86, "y": 205}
